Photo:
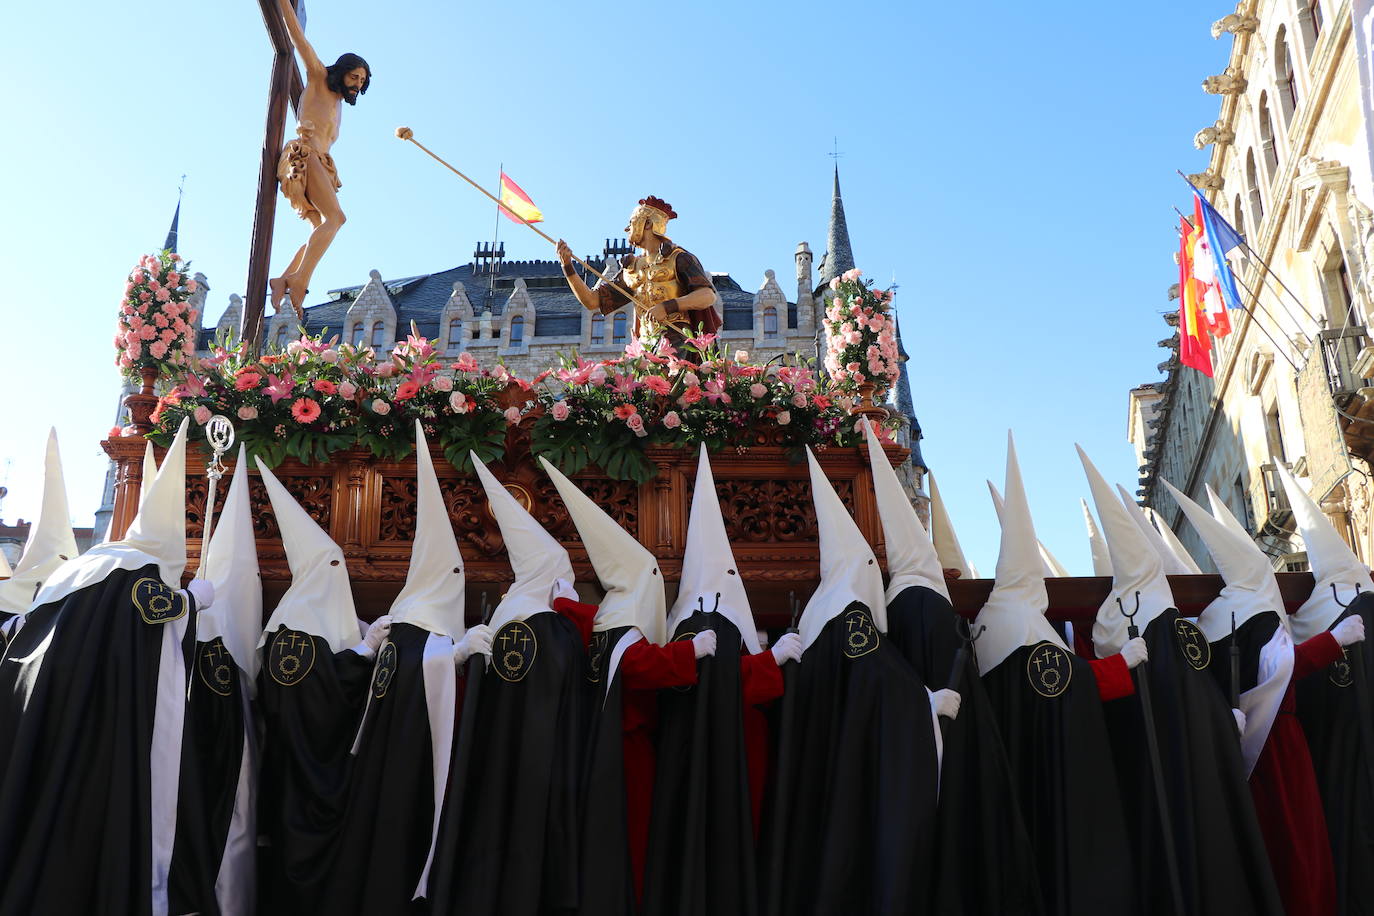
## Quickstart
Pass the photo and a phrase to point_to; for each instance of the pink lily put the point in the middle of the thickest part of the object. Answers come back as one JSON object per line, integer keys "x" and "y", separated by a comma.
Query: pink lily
{"x": 280, "y": 388}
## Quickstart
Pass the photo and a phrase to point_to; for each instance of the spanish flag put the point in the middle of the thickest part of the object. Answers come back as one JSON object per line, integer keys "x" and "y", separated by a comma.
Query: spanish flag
{"x": 517, "y": 205}
{"x": 1194, "y": 346}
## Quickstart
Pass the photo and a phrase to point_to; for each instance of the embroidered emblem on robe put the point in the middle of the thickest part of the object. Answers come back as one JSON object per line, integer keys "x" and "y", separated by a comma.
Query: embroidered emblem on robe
{"x": 1194, "y": 646}
{"x": 596, "y": 656}
{"x": 291, "y": 657}
{"x": 385, "y": 669}
{"x": 215, "y": 667}
{"x": 860, "y": 635}
{"x": 513, "y": 650}
{"x": 156, "y": 603}
{"x": 1049, "y": 670}
{"x": 1339, "y": 670}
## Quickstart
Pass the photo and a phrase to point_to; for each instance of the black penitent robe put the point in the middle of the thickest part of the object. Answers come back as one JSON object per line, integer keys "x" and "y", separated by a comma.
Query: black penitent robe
{"x": 75, "y": 742}
{"x": 851, "y": 827}
{"x": 1343, "y": 757}
{"x": 509, "y": 839}
{"x": 213, "y": 746}
{"x": 1223, "y": 865}
{"x": 607, "y": 882}
{"x": 1056, "y": 742}
{"x": 979, "y": 816}
{"x": 701, "y": 840}
{"x": 311, "y": 700}
{"x": 385, "y": 837}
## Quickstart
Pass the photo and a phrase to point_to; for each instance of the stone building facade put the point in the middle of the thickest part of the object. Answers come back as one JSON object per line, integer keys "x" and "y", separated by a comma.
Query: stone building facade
{"x": 1290, "y": 169}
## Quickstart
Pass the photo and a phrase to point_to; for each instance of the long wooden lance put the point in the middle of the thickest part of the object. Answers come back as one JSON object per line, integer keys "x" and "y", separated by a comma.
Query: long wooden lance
{"x": 1166, "y": 828}
{"x": 405, "y": 133}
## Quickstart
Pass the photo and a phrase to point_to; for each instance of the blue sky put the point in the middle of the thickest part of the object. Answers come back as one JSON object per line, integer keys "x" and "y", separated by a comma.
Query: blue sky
{"x": 1011, "y": 167}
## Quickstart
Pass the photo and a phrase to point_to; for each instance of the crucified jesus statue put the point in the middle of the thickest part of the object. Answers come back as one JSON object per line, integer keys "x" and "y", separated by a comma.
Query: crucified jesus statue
{"x": 306, "y": 171}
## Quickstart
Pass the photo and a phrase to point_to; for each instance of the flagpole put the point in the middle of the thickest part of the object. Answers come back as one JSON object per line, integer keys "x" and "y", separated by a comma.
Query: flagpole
{"x": 405, "y": 133}
{"x": 1268, "y": 270}
{"x": 1255, "y": 300}
{"x": 496, "y": 233}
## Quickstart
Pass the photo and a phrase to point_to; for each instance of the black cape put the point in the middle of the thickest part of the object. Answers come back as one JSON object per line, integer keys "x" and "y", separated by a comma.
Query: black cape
{"x": 851, "y": 824}
{"x": 701, "y": 841}
{"x": 607, "y": 882}
{"x": 508, "y": 843}
{"x": 213, "y": 746}
{"x": 1056, "y": 741}
{"x": 1328, "y": 707}
{"x": 311, "y": 700}
{"x": 1222, "y": 861}
{"x": 978, "y": 821}
{"x": 75, "y": 777}
{"x": 386, "y": 831}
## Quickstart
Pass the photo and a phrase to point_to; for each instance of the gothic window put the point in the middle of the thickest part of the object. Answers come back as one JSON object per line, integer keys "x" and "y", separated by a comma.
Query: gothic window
{"x": 356, "y": 337}
{"x": 598, "y": 329}
{"x": 1285, "y": 78}
{"x": 618, "y": 328}
{"x": 281, "y": 336}
{"x": 1340, "y": 300}
{"x": 1252, "y": 188}
{"x": 517, "y": 330}
{"x": 455, "y": 333}
{"x": 1309, "y": 24}
{"x": 378, "y": 335}
{"x": 770, "y": 322}
{"x": 1268, "y": 149}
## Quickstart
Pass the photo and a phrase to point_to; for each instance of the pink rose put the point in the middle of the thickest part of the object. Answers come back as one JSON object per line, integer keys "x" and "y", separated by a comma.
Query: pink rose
{"x": 690, "y": 379}
{"x": 636, "y": 424}
{"x": 329, "y": 356}
{"x": 167, "y": 335}
{"x": 756, "y": 390}
{"x": 597, "y": 376}
{"x": 248, "y": 413}
{"x": 798, "y": 400}
{"x": 202, "y": 414}
{"x": 784, "y": 417}
{"x": 347, "y": 390}
{"x": 191, "y": 285}
{"x": 173, "y": 278}
{"x": 145, "y": 296}
{"x": 386, "y": 370}
{"x": 162, "y": 295}
{"x": 561, "y": 410}
{"x": 147, "y": 332}
{"x": 125, "y": 362}
{"x": 380, "y": 407}
{"x": 512, "y": 415}
{"x": 442, "y": 383}
{"x": 672, "y": 420}
{"x": 835, "y": 283}
{"x": 458, "y": 401}
{"x": 157, "y": 349}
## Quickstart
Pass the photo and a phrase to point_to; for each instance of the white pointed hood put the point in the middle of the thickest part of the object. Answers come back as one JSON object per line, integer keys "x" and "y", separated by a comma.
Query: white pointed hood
{"x": 628, "y": 572}
{"x": 708, "y": 564}
{"x": 849, "y": 570}
{"x": 231, "y": 566}
{"x": 156, "y": 535}
{"x": 1184, "y": 564}
{"x": 1136, "y": 567}
{"x": 50, "y": 544}
{"x": 5, "y": 570}
{"x": 1251, "y": 588}
{"x": 1221, "y": 513}
{"x": 911, "y": 557}
{"x": 942, "y": 535}
{"x": 433, "y": 597}
{"x": 536, "y": 557}
{"x": 1053, "y": 568}
{"x": 1102, "y": 560}
{"x": 1332, "y": 561}
{"x": 1171, "y": 564}
{"x": 319, "y": 601}
{"x": 1015, "y": 611}
{"x": 149, "y": 471}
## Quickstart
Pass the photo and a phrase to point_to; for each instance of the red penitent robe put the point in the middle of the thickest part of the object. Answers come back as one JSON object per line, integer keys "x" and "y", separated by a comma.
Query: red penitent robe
{"x": 645, "y": 669}
{"x": 1113, "y": 677}
{"x": 760, "y": 683}
{"x": 1288, "y": 803}
{"x": 582, "y": 616}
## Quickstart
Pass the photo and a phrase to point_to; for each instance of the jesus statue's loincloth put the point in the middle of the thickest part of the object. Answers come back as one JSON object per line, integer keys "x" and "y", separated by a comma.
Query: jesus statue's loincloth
{"x": 294, "y": 173}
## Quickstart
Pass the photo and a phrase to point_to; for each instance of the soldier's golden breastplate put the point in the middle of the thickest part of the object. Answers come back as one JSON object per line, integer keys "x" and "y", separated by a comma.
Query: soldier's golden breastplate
{"x": 654, "y": 283}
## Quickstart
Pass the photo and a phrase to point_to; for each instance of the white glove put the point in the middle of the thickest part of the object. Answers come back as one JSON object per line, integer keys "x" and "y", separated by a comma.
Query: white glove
{"x": 1240, "y": 720}
{"x": 562, "y": 588}
{"x": 375, "y": 634}
{"x": 1134, "y": 652}
{"x": 788, "y": 648}
{"x": 1347, "y": 632}
{"x": 204, "y": 593}
{"x": 946, "y": 703}
{"x": 476, "y": 640}
{"x": 704, "y": 643}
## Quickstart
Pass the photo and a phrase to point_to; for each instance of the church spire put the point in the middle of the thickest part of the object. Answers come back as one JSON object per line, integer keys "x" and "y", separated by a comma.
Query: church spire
{"x": 838, "y": 255}
{"x": 171, "y": 243}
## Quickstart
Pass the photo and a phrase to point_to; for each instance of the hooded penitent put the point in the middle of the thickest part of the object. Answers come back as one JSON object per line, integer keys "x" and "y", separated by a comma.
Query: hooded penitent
{"x": 1251, "y": 594}
{"x": 94, "y": 692}
{"x": 943, "y": 537}
{"x": 1053, "y": 568}
{"x": 700, "y": 857}
{"x": 214, "y": 863}
{"x": 978, "y": 819}
{"x": 1050, "y": 715}
{"x": 1334, "y": 703}
{"x": 509, "y": 837}
{"x": 1206, "y": 800}
{"x": 311, "y": 692}
{"x": 852, "y": 828}
{"x": 1102, "y": 561}
{"x": 1175, "y": 549}
{"x": 50, "y": 544}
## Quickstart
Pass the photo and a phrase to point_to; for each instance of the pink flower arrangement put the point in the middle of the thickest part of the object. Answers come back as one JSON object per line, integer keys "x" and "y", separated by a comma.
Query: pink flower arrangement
{"x": 860, "y": 335}
{"x": 155, "y": 298}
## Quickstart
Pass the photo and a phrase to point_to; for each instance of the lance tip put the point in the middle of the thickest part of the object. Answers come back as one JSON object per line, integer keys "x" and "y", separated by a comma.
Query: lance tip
{"x": 405, "y": 133}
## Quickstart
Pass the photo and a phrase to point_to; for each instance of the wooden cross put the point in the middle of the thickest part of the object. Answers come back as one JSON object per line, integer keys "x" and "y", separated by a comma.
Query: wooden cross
{"x": 286, "y": 85}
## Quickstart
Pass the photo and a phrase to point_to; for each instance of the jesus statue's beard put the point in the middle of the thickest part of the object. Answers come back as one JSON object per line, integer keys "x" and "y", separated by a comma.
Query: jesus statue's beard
{"x": 350, "y": 96}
